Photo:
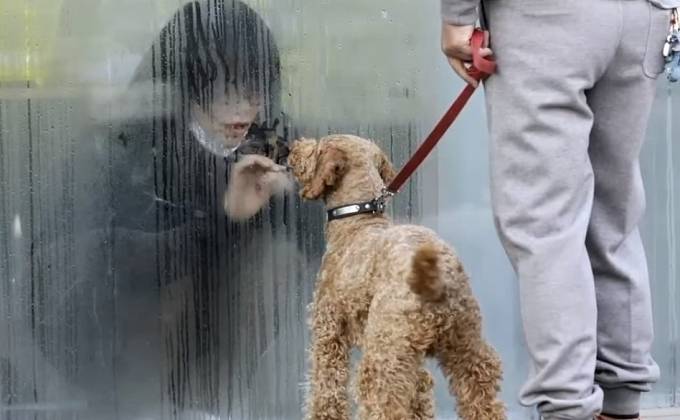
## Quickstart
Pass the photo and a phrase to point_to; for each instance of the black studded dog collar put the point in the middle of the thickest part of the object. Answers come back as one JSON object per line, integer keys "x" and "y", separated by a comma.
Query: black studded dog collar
{"x": 374, "y": 206}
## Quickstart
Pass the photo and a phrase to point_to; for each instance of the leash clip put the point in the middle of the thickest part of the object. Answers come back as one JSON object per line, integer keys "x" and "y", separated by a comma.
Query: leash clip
{"x": 381, "y": 201}
{"x": 385, "y": 195}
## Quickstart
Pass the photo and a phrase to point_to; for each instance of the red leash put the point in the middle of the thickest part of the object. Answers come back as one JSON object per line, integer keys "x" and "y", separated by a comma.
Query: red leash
{"x": 481, "y": 69}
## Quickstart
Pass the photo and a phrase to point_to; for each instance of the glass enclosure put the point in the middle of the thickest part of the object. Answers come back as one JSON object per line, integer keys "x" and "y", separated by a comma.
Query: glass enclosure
{"x": 126, "y": 292}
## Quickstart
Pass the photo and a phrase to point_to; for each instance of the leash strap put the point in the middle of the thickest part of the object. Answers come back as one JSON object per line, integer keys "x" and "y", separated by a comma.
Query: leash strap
{"x": 481, "y": 69}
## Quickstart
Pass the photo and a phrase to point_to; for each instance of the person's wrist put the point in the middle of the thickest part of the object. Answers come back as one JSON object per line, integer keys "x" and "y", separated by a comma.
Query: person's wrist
{"x": 453, "y": 14}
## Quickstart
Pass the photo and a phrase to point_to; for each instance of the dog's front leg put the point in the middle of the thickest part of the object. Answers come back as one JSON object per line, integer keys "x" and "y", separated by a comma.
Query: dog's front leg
{"x": 328, "y": 399}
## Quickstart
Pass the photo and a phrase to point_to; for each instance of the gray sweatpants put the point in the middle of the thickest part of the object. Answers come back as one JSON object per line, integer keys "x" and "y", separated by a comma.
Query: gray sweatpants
{"x": 567, "y": 112}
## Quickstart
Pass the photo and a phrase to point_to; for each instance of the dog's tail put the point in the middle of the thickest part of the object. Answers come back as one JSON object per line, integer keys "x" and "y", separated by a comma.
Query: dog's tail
{"x": 425, "y": 279}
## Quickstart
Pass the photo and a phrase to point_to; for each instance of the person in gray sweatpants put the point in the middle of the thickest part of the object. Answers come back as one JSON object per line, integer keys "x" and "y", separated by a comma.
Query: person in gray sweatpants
{"x": 567, "y": 113}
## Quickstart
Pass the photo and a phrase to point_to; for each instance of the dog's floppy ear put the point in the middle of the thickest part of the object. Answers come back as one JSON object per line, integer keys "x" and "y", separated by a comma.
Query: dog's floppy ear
{"x": 385, "y": 168}
{"x": 331, "y": 165}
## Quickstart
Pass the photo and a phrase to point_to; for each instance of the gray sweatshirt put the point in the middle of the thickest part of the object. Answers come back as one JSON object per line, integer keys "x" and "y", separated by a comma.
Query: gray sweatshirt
{"x": 464, "y": 12}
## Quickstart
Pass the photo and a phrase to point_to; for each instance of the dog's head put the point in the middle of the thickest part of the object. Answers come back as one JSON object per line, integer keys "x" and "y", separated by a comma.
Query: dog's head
{"x": 340, "y": 169}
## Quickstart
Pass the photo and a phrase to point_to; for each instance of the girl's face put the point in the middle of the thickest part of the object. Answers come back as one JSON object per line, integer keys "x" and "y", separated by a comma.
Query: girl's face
{"x": 224, "y": 126}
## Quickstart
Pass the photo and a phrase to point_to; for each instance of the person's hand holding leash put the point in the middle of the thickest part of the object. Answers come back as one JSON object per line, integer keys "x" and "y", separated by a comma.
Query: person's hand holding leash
{"x": 456, "y": 47}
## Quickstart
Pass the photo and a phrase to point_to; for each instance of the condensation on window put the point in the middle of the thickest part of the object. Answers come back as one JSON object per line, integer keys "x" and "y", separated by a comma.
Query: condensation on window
{"x": 127, "y": 293}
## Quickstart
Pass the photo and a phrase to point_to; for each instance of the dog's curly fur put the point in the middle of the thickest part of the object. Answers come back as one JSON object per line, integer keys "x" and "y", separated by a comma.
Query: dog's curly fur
{"x": 398, "y": 292}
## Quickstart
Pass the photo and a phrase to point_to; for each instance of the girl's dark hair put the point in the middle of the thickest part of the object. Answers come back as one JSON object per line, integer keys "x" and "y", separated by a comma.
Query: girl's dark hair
{"x": 210, "y": 46}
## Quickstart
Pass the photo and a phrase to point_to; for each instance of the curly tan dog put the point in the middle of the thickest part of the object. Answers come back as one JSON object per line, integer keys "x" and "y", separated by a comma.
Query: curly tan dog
{"x": 397, "y": 292}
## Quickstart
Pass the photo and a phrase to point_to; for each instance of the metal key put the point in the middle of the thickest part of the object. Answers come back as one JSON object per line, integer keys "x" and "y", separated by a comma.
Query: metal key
{"x": 672, "y": 44}
{"x": 671, "y": 49}
{"x": 671, "y": 39}
{"x": 673, "y": 68}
